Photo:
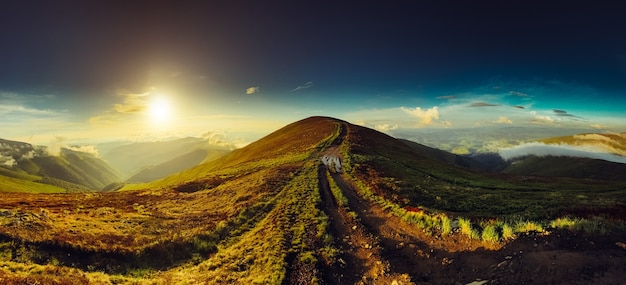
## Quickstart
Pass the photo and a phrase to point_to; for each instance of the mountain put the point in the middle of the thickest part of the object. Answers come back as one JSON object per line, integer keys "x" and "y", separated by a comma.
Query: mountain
{"x": 131, "y": 159}
{"x": 444, "y": 156}
{"x": 565, "y": 166}
{"x": 71, "y": 170}
{"x": 176, "y": 164}
{"x": 590, "y": 156}
{"x": 321, "y": 201}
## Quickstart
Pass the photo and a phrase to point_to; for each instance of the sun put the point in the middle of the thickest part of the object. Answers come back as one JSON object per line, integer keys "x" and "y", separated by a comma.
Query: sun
{"x": 160, "y": 109}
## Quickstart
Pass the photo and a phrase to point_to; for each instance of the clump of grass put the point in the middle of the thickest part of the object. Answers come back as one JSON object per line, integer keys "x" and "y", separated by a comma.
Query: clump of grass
{"x": 490, "y": 234}
{"x": 446, "y": 225}
{"x": 528, "y": 226}
{"x": 565, "y": 222}
{"x": 466, "y": 228}
{"x": 507, "y": 232}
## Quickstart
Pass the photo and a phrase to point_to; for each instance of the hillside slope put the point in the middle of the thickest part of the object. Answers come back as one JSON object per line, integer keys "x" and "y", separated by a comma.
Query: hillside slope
{"x": 564, "y": 166}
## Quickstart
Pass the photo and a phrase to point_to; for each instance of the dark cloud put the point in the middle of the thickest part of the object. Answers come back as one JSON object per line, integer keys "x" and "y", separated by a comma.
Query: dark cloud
{"x": 563, "y": 113}
{"x": 519, "y": 107}
{"x": 447, "y": 97}
{"x": 483, "y": 104}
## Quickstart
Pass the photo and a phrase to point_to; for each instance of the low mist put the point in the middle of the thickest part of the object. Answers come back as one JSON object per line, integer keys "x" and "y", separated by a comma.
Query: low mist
{"x": 542, "y": 149}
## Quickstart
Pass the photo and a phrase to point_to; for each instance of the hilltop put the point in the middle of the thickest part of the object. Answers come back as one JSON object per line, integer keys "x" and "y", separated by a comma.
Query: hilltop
{"x": 321, "y": 201}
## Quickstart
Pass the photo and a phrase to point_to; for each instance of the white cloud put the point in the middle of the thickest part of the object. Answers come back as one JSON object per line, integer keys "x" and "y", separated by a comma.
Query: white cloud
{"x": 503, "y": 120}
{"x": 6, "y": 110}
{"x": 252, "y": 90}
{"x": 425, "y": 116}
{"x": 540, "y": 118}
{"x": 7, "y": 161}
{"x": 90, "y": 149}
{"x": 541, "y": 149}
{"x": 303, "y": 86}
{"x": 385, "y": 127}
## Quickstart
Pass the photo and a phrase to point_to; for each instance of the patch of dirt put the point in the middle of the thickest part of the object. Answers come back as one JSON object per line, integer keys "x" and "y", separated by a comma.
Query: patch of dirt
{"x": 360, "y": 261}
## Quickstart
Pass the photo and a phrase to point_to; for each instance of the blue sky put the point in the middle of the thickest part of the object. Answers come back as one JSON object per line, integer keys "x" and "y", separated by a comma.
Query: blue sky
{"x": 92, "y": 71}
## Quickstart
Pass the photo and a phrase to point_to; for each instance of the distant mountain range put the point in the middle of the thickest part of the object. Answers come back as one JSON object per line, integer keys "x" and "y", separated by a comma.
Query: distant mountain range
{"x": 146, "y": 161}
{"x": 143, "y": 162}
{"x": 71, "y": 170}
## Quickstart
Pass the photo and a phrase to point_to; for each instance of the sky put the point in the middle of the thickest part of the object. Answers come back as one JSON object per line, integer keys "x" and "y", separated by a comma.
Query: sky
{"x": 84, "y": 72}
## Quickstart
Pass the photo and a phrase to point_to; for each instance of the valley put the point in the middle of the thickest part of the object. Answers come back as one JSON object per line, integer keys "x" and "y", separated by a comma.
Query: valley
{"x": 276, "y": 212}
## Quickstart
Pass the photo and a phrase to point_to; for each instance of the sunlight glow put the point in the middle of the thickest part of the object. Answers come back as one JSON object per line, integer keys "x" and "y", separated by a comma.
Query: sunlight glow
{"x": 160, "y": 109}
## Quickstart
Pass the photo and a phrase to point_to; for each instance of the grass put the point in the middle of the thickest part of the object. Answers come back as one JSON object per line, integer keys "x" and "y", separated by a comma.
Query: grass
{"x": 8, "y": 184}
{"x": 341, "y": 199}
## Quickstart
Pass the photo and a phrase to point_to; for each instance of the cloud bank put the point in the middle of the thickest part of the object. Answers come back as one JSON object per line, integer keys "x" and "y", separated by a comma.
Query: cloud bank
{"x": 542, "y": 149}
{"x": 426, "y": 116}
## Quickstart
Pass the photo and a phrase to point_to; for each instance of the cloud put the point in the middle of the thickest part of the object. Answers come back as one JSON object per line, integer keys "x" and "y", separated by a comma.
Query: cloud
{"x": 503, "y": 120}
{"x": 518, "y": 94}
{"x": 89, "y": 149}
{"x": 252, "y": 90}
{"x": 598, "y": 126}
{"x": 6, "y": 109}
{"x": 447, "y": 97}
{"x": 541, "y": 149}
{"x": 519, "y": 107}
{"x": 426, "y": 116}
{"x": 385, "y": 127}
{"x": 541, "y": 119}
{"x": 483, "y": 104}
{"x": 132, "y": 103}
{"x": 562, "y": 113}
{"x": 303, "y": 86}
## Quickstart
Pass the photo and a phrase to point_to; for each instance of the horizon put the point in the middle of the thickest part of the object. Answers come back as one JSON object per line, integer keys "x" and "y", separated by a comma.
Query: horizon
{"x": 161, "y": 71}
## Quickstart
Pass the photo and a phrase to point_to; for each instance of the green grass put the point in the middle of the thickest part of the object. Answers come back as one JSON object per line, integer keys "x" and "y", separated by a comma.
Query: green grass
{"x": 8, "y": 184}
{"x": 341, "y": 199}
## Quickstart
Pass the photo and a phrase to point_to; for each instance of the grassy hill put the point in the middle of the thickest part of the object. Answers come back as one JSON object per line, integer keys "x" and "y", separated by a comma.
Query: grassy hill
{"x": 272, "y": 213}
{"x": 563, "y": 166}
